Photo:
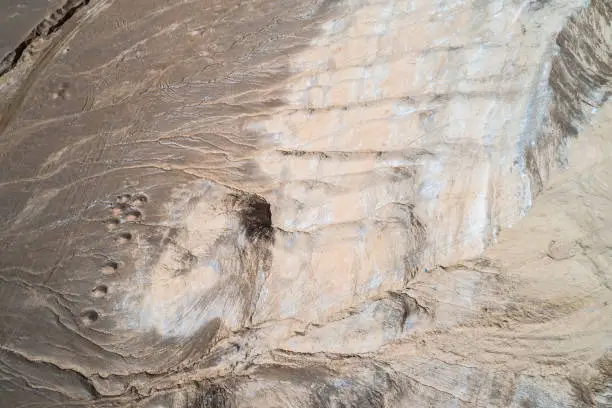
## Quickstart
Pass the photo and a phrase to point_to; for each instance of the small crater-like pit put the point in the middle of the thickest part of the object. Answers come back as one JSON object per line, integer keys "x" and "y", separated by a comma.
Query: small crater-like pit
{"x": 110, "y": 268}
{"x": 133, "y": 215}
{"x": 140, "y": 199}
{"x": 124, "y": 198}
{"x": 88, "y": 317}
{"x": 112, "y": 223}
{"x": 119, "y": 208}
{"x": 124, "y": 238}
{"x": 99, "y": 291}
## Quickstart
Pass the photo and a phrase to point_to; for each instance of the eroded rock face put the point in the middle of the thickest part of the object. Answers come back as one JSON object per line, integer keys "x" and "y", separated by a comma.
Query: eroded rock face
{"x": 312, "y": 204}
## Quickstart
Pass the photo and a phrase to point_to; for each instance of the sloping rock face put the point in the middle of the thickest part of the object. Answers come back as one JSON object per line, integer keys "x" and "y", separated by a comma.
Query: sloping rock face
{"x": 366, "y": 203}
{"x": 22, "y": 23}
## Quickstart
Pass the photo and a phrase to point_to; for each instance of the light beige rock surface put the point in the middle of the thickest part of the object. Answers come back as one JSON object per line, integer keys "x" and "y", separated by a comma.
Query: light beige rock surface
{"x": 368, "y": 203}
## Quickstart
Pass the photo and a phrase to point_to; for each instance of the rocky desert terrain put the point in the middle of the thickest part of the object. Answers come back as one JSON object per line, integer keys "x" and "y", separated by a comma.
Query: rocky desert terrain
{"x": 316, "y": 203}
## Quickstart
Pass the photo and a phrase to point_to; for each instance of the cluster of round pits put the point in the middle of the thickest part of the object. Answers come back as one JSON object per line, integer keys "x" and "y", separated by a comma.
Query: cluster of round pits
{"x": 61, "y": 92}
{"x": 124, "y": 210}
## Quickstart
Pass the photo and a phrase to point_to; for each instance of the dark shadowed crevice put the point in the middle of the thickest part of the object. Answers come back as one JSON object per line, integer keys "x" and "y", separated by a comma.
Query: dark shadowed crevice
{"x": 214, "y": 397}
{"x": 255, "y": 217}
{"x": 45, "y": 28}
{"x": 579, "y": 79}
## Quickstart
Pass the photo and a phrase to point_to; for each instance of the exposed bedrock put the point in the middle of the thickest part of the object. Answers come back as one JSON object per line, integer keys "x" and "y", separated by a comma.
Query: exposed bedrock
{"x": 368, "y": 203}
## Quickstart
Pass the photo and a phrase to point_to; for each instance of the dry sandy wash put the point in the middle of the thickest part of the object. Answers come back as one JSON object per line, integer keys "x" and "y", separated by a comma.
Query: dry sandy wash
{"x": 306, "y": 203}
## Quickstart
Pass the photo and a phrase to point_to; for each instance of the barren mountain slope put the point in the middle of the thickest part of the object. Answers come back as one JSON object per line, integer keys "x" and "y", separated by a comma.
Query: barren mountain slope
{"x": 366, "y": 203}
